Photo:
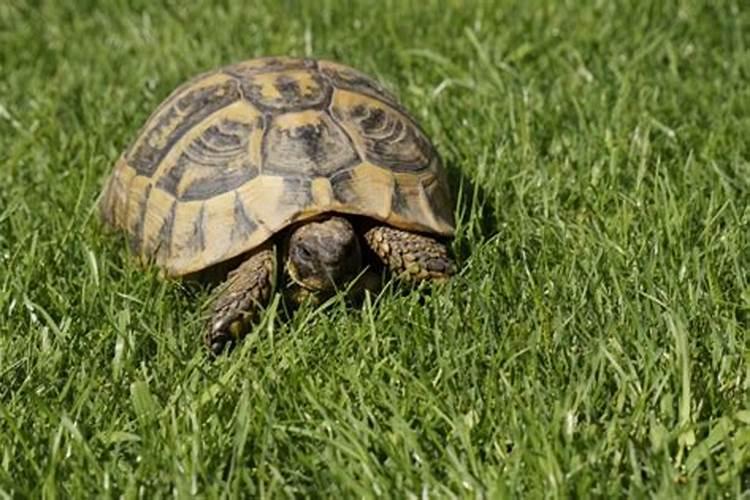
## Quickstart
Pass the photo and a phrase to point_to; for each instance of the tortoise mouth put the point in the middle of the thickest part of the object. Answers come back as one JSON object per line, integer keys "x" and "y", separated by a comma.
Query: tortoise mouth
{"x": 314, "y": 284}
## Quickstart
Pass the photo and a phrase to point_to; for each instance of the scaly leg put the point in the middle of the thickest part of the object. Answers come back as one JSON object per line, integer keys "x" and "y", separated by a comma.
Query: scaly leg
{"x": 413, "y": 257}
{"x": 247, "y": 291}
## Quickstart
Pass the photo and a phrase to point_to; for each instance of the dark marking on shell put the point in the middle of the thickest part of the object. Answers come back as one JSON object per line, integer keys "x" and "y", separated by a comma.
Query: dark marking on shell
{"x": 218, "y": 161}
{"x": 228, "y": 136}
{"x": 243, "y": 224}
{"x": 399, "y": 202}
{"x": 292, "y": 97}
{"x": 137, "y": 232}
{"x": 372, "y": 121}
{"x": 164, "y": 129}
{"x": 197, "y": 240}
{"x": 296, "y": 192}
{"x": 318, "y": 148}
{"x": 391, "y": 139}
{"x": 341, "y": 186}
{"x": 164, "y": 238}
{"x": 345, "y": 133}
{"x": 172, "y": 177}
{"x": 310, "y": 136}
{"x": 215, "y": 184}
{"x": 287, "y": 87}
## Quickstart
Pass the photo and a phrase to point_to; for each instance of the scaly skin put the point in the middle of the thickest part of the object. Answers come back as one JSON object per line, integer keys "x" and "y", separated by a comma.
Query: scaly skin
{"x": 412, "y": 257}
{"x": 247, "y": 292}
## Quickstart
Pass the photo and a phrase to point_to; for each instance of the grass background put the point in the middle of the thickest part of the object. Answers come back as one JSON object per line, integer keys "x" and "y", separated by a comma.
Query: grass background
{"x": 596, "y": 341}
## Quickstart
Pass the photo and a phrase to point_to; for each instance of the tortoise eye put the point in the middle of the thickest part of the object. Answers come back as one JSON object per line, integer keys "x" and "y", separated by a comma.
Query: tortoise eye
{"x": 303, "y": 252}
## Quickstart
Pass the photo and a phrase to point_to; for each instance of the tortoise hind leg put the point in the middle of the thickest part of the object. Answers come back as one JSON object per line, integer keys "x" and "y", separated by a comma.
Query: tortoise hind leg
{"x": 413, "y": 257}
{"x": 247, "y": 291}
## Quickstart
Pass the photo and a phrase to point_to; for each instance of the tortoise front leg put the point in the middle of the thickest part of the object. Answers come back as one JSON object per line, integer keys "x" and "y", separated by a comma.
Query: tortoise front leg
{"x": 247, "y": 291}
{"x": 411, "y": 256}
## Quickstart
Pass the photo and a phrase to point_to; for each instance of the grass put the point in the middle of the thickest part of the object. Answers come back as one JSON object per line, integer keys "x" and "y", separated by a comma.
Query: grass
{"x": 595, "y": 342}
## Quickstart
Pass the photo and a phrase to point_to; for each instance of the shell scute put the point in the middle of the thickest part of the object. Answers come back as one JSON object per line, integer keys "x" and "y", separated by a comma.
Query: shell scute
{"x": 307, "y": 143}
{"x": 385, "y": 135}
{"x": 176, "y": 117}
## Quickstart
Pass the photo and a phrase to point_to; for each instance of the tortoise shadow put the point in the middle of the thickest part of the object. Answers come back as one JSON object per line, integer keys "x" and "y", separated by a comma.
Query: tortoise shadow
{"x": 475, "y": 220}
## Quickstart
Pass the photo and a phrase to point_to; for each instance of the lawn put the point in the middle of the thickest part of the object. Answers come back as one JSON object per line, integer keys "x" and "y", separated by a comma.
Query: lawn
{"x": 595, "y": 342}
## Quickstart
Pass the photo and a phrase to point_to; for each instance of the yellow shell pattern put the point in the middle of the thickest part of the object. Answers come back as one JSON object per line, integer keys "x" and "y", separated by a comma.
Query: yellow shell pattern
{"x": 233, "y": 156}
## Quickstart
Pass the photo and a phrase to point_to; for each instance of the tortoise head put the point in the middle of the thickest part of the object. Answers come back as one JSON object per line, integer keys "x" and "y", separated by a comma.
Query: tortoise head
{"x": 323, "y": 255}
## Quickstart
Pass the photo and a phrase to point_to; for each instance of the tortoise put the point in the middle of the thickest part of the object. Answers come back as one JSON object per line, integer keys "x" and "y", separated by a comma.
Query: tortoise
{"x": 303, "y": 162}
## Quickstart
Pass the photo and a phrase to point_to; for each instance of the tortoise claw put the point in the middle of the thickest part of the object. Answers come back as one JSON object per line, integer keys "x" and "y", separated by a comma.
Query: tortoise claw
{"x": 225, "y": 334}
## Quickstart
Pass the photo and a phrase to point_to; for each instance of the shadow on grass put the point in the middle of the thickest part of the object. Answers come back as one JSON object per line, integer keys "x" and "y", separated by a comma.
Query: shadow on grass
{"x": 475, "y": 220}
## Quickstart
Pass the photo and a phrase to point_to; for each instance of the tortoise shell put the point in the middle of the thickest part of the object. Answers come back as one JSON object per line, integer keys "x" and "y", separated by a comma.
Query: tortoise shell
{"x": 234, "y": 156}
